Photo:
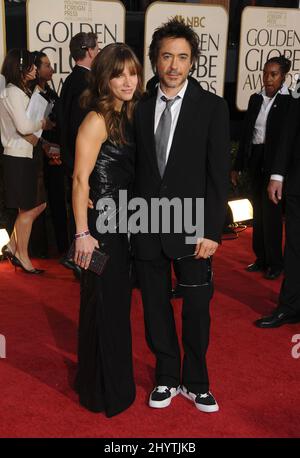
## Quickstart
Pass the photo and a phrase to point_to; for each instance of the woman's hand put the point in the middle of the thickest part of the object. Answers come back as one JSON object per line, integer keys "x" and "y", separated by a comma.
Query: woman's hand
{"x": 84, "y": 248}
{"x": 46, "y": 147}
{"x": 31, "y": 138}
{"x": 47, "y": 124}
{"x": 52, "y": 151}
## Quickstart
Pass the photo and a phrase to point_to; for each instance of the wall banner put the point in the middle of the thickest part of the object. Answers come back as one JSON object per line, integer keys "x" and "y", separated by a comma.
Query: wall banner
{"x": 52, "y": 23}
{"x": 211, "y": 24}
{"x": 266, "y": 33}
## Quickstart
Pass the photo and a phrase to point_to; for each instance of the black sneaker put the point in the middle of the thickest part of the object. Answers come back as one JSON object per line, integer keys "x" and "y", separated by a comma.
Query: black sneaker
{"x": 255, "y": 267}
{"x": 204, "y": 402}
{"x": 162, "y": 396}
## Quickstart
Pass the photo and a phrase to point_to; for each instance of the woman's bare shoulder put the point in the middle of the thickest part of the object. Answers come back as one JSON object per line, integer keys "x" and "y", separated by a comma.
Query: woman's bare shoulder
{"x": 94, "y": 125}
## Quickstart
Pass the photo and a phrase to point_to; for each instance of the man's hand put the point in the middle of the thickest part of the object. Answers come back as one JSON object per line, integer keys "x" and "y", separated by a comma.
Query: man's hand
{"x": 275, "y": 191}
{"x": 205, "y": 248}
{"x": 234, "y": 176}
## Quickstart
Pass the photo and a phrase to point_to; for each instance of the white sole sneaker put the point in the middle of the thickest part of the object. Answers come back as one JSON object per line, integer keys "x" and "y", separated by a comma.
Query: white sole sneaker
{"x": 165, "y": 402}
{"x": 191, "y": 396}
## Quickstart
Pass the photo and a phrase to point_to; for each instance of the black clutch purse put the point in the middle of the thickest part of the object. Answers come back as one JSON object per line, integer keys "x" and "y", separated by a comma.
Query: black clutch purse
{"x": 98, "y": 259}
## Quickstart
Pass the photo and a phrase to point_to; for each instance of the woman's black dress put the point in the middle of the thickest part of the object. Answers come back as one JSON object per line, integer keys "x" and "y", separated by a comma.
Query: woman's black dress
{"x": 105, "y": 373}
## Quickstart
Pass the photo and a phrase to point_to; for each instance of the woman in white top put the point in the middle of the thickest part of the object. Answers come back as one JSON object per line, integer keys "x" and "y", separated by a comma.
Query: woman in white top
{"x": 22, "y": 186}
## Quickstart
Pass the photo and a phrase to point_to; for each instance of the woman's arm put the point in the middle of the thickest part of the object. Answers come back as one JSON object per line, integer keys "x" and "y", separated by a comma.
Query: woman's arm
{"x": 92, "y": 133}
{"x": 15, "y": 107}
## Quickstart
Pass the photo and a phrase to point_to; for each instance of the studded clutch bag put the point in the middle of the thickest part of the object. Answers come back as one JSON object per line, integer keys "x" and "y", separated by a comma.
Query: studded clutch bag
{"x": 98, "y": 259}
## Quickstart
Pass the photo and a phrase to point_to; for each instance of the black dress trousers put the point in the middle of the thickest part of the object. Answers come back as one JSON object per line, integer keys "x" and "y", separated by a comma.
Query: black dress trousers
{"x": 155, "y": 282}
{"x": 267, "y": 217}
{"x": 289, "y": 299}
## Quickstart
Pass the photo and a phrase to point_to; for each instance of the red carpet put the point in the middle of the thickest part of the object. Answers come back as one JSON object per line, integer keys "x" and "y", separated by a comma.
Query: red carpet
{"x": 252, "y": 372}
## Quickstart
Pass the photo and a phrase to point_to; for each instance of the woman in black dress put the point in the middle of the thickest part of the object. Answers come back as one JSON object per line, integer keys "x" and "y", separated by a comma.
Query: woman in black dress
{"x": 104, "y": 165}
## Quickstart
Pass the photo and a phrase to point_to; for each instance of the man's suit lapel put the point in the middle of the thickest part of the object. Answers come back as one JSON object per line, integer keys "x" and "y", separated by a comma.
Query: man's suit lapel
{"x": 191, "y": 105}
{"x": 256, "y": 108}
{"x": 148, "y": 123}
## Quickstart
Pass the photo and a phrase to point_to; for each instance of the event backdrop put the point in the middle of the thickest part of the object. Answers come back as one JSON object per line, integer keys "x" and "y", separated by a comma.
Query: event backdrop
{"x": 210, "y": 23}
{"x": 266, "y": 33}
{"x": 52, "y": 23}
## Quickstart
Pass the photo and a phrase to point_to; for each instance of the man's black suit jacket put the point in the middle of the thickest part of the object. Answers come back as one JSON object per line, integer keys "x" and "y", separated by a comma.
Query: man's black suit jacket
{"x": 197, "y": 167}
{"x": 71, "y": 114}
{"x": 275, "y": 122}
{"x": 287, "y": 160}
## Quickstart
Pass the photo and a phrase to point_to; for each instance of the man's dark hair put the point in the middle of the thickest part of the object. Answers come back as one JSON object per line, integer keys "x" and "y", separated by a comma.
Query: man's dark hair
{"x": 175, "y": 28}
{"x": 80, "y": 43}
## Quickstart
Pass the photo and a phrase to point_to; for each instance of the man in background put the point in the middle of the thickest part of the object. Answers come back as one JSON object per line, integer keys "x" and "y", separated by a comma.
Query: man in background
{"x": 83, "y": 49}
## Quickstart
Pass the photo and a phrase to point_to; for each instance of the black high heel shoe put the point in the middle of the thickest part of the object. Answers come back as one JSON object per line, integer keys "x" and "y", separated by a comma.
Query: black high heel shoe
{"x": 8, "y": 253}
{"x": 17, "y": 263}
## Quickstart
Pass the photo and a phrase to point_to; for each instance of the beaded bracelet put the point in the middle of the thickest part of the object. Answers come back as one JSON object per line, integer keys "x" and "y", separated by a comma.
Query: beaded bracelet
{"x": 82, "y": 234}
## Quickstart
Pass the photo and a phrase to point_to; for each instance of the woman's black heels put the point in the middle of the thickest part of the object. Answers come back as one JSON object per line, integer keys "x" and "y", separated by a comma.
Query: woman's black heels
{"x": 8, "y": 254}
{"x": 17, "y": 263}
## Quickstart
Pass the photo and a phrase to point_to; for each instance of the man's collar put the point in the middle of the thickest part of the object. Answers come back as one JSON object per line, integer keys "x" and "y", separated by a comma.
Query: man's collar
{"x": 83, "y": 66}
{"x": 283, "y": 91}
{"x": 180, "y": 94}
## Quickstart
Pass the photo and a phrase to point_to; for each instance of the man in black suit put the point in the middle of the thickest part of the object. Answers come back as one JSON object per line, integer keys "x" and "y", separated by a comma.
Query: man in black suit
{"x": 182, "y": 134}
{"x": 83, "y": 49}
{"x": 287, "y": 164}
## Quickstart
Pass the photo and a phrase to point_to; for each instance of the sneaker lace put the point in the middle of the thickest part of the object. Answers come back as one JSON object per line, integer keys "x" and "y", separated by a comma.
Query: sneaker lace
{"x": 204, "y": 395}
{"x": 161, "y": 389}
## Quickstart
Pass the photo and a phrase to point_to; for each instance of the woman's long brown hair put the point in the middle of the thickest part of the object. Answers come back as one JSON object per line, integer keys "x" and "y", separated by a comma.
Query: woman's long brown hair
{"x": 109, "y": 64}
